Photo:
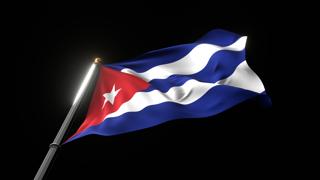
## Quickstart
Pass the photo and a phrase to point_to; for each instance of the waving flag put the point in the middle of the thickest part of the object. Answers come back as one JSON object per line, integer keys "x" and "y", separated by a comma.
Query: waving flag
{"x": 193, "y": 80}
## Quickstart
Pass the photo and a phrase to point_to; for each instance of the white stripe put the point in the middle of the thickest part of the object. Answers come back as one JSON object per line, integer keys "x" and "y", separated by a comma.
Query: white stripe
{"x": 243, "y": 77}
{"x": 192, "y": 63}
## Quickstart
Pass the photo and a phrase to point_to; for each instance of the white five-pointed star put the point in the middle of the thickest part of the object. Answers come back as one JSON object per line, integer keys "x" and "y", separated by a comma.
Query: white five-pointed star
{"x": 110, "y": 96}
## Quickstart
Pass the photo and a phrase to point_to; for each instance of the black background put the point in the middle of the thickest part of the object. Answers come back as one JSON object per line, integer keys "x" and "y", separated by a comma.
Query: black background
{"x": 57, "y": 43}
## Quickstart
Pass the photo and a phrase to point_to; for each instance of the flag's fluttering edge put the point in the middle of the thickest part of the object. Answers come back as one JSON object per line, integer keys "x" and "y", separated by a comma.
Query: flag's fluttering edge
{"x": 192, "y": 80}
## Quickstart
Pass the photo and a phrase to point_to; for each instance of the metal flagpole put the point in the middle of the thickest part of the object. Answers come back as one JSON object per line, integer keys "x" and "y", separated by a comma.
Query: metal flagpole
{"x": 57, "y": 141}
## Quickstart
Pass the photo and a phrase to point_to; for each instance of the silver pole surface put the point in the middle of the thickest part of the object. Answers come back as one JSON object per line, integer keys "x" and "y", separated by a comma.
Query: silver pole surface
{"x": 57, "y": 141}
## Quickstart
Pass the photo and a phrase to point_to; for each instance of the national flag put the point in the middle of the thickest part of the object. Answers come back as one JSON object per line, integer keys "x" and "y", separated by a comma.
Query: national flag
{"x": 192, "y": 80}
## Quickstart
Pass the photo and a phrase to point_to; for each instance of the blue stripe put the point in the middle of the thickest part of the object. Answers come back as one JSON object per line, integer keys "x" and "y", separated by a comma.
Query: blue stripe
{"x": 171, "y": 54}
{"x": 219, "y": 37}
{"x": 155, "y": 58}
{"x": 216, "y": 100}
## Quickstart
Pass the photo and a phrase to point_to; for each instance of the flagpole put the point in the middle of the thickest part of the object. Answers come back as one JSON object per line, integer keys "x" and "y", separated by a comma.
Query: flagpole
{"x": 53, "y": 147}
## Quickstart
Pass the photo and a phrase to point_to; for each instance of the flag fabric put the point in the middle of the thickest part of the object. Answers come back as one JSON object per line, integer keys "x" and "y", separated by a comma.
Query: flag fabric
{"x": 193, "y": 80}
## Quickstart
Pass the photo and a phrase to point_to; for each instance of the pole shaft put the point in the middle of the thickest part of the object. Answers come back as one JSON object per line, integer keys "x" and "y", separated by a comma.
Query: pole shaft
{"x": 54, "y": 146}
{"x": 57, "y": 141}
{"x": 45, "y": 164}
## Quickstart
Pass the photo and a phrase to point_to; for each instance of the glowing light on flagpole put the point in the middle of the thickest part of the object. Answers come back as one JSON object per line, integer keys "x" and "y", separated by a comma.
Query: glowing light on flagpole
{"x": 58, "y": 139}
{"x": 86, "y": 80}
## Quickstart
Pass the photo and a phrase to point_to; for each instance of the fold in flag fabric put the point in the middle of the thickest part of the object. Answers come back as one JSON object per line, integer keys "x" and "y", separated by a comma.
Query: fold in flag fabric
{"x": 193, "y": 80}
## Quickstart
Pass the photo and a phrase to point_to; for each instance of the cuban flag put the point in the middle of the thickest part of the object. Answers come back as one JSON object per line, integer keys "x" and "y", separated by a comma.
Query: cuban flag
{"x": 193, "y": 80}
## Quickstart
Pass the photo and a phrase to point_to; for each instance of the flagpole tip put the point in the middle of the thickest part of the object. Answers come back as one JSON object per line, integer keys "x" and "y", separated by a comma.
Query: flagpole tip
{"x": 97, "y": 60}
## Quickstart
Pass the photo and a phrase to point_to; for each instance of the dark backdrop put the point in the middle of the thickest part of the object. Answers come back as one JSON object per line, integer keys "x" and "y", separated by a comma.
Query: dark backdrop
{"x": 57, "y": 43}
